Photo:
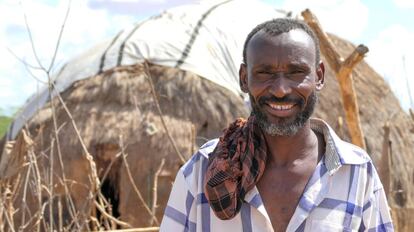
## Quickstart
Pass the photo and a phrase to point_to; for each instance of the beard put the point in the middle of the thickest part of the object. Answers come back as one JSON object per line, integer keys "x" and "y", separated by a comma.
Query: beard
{"x": 285, "y": 126}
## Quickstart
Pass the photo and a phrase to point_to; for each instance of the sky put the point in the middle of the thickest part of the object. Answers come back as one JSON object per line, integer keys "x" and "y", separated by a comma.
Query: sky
{"x": 385, "y": 26}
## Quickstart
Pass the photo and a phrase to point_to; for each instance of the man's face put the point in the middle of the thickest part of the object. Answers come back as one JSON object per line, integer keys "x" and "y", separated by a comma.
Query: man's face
{"x": 281, "y": 79}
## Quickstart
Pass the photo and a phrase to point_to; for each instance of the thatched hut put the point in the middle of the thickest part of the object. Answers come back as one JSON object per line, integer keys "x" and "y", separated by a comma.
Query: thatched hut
{"x": 111, "y": 113}
{"x": 117, "y": 107}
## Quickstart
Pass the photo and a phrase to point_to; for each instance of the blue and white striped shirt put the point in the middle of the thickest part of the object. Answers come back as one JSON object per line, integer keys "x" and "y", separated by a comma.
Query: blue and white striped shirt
{"x": 343, "y": 194}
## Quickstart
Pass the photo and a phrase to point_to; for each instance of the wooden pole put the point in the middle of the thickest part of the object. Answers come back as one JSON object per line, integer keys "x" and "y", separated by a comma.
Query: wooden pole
{"x": 343, "y": 70}
{"x": 385, "y": 164}
{"x": 344, "y": 76}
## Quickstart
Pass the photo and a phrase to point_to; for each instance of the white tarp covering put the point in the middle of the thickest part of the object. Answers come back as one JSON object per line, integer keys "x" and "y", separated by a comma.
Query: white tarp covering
{"x": 205, "y": 38}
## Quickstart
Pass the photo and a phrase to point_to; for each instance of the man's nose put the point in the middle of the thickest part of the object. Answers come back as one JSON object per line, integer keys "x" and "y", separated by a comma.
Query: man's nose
{"x": 280, "y": 86}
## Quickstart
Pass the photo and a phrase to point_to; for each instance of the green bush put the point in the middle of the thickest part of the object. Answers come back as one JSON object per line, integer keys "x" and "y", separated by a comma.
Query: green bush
{"x": 4, "y": 125}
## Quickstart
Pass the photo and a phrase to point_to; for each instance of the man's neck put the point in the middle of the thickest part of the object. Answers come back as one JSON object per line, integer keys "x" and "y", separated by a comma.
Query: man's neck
{"x": 285, "y": 150}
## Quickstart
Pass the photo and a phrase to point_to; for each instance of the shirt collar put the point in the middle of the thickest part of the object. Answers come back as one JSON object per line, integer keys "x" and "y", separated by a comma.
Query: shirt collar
{"x": 208, "y": 147}
{"x": 337, "y": 151}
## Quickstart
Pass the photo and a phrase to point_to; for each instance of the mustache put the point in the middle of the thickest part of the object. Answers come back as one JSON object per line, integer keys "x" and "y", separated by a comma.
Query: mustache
{"x": 286, "y": 99}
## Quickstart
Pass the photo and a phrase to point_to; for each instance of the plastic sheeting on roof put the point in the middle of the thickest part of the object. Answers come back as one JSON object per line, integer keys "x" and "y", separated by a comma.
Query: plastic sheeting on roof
{"x": 205, "y": 38}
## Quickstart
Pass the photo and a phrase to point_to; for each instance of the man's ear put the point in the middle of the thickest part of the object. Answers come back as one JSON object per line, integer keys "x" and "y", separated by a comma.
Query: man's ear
{"x": 320, "y": 72}
{"x": 243, "y": 78}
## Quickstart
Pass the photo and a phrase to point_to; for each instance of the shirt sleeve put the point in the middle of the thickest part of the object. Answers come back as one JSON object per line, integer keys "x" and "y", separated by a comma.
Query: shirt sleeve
{"x": 178, "y": 212}
{"x": 376, "y": 213}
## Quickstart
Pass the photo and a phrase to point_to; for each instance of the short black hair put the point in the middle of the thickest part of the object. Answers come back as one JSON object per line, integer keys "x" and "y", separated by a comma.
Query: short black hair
{"x": 278, "y": 26}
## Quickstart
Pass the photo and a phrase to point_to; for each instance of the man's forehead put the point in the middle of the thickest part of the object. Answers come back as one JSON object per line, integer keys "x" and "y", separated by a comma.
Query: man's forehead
{"x": 297, "y": 37}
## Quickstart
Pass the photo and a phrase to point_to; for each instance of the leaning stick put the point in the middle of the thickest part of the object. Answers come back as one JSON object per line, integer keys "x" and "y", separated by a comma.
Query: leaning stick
{"x": 385, "y": 160}
{"x": 343, "y": 71}
{"x": 155, "y": 190}
{"x": 134, "y": 186}
{"x": 157, "y": 104}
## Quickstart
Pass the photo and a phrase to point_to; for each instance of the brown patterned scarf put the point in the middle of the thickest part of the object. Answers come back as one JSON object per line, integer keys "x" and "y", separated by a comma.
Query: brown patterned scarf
{"x": 235, "y": 166}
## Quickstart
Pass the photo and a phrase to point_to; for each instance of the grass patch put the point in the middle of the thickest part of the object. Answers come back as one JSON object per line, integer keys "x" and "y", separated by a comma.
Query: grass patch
{"x": 4, "y": 125}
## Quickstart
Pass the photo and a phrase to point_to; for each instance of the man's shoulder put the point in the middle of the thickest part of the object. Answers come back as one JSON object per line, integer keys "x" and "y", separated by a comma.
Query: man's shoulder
{"x": 352, "y": 154}
{"x": 199, "y": 160}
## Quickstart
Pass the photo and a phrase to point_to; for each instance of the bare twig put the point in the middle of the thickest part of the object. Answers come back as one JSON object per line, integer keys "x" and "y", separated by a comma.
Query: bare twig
{"x": 11, "y": 224}
{"x": 59, "y": 37}
{"x": 95, "y": 194}
{"x": 95, "y": 223}
{"x": 105, "y": 214}
{"x": 17, "y": 184}
{"x": 9, "y": 196}
{"x": 33, "y": 162}
{"x": 385, "y": 166}
{"x": 157, "y": 104}
{"x": 109, "y": 224}
{"x": 51, "y": 188}
{"x": 94, "y": 176}
{"x": 57, "y": 42}
{"x": 134, "y": 186}
{"x": 60, "y": 214}
{"x": 107, "y": 206}
{"x": 352, "y": 60}
{"x": 29, "y": 33}
{"x": 155, "y": 190}
{"x": 24, "y": 198}
{"x": 108, "y": 168}
{"x": 23, "y": 61}
{"x": 71, "y": 206}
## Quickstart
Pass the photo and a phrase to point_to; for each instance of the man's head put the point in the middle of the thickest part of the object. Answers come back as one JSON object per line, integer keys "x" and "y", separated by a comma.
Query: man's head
{"x": 278, "y": 26}
{"x": 281, "y": 73}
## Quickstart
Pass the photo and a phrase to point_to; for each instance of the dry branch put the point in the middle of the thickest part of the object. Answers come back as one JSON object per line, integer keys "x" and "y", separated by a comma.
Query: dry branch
{"x": 332, "y": 56}
{"x": 157, "y": 104}
{"x": 93, "y": 173}
{"x": 107, "y": 215}
{"x": 385, "y": 167}
{"x": 155, "y": 190}
{"x": 344, "y": 76}
{"x": 134, "y": 186}
{"x": 356, "y": 56}
{"x": 33, "y": 162}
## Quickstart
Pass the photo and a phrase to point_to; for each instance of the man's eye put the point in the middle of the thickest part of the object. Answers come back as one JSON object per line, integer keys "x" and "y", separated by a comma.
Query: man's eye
{"x": 297, "y": 72}
{"x": 264, "y": 72}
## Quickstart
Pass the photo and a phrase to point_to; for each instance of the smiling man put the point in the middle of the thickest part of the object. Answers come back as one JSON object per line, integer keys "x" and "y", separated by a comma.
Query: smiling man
{"x": 279, "y": 170}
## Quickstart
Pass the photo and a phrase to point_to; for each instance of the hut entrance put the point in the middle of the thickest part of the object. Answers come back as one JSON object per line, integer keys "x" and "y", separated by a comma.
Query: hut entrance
{"x": 108, "y": 165}
{"x": 111, "y": 194}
